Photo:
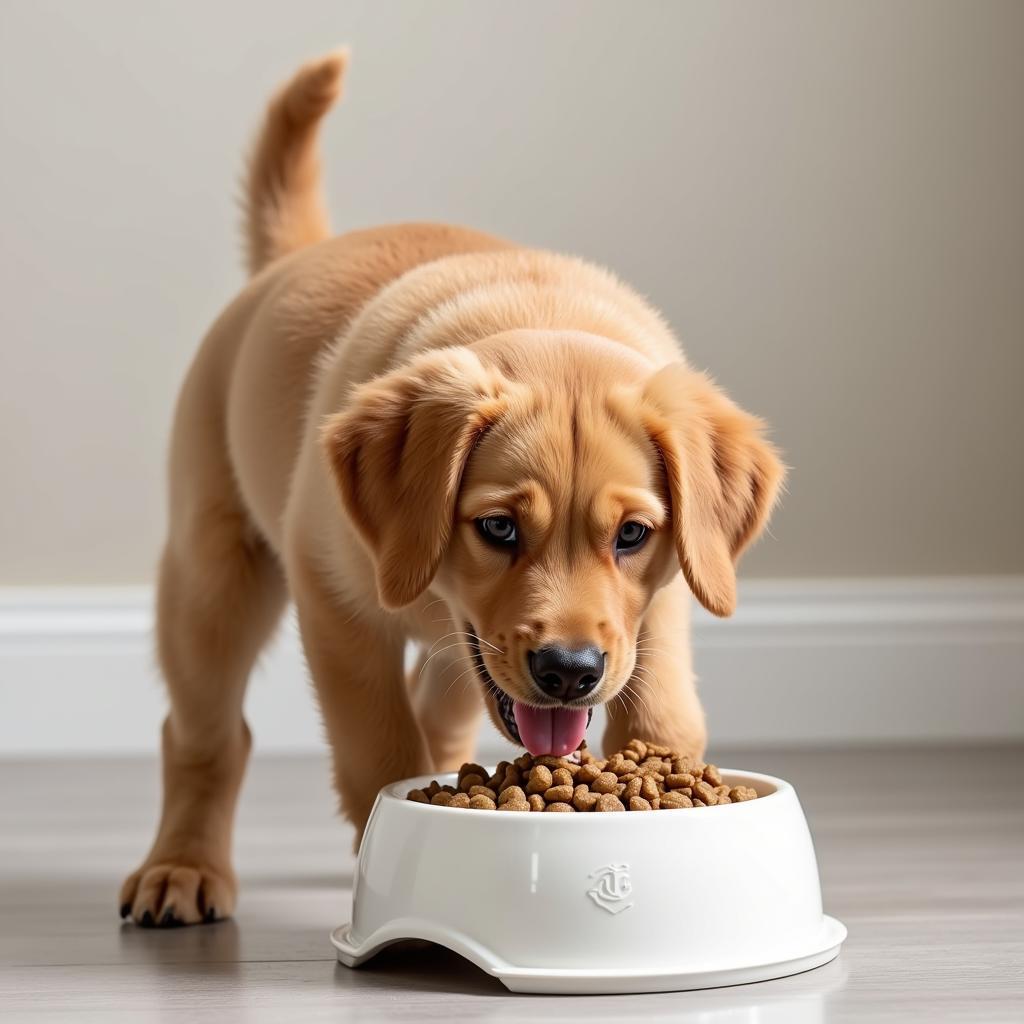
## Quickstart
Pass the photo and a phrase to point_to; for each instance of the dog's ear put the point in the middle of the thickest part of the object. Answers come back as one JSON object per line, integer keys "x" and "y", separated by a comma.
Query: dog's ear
{"x": 723, "y": 478}
{"x": 397, "y": 453}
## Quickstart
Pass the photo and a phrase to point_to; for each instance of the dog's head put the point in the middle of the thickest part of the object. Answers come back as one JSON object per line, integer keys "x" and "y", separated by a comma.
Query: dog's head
{"x": 546, "y": 486}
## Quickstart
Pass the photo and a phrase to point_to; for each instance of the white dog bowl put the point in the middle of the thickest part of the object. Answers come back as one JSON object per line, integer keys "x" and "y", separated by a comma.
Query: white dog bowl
{"x": 586, "y": 903}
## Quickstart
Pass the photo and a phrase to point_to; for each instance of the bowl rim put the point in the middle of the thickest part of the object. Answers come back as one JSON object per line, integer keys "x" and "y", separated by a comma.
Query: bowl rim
{"x": 396, "y": 792}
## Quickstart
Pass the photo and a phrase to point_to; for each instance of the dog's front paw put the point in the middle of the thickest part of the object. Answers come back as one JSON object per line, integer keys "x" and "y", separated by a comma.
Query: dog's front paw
{"x": 164, "y": 893}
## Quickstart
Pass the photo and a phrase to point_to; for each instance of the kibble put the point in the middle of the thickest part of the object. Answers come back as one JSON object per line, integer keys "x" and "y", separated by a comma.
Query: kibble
{"x": 540, "y": 779}
{"x": 558, "y": 794}
{"x": 641, "y": 777}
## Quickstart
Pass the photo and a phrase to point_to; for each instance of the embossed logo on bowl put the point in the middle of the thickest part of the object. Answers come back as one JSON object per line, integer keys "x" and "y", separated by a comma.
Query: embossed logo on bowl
{"x": 612, "y": 889}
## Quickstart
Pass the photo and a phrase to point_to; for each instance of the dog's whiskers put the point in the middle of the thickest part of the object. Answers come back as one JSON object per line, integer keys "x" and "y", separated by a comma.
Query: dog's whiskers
{"x": 430, "y": 657}
{"x": 461, "y": 675}
{"x": 639, "y": 695}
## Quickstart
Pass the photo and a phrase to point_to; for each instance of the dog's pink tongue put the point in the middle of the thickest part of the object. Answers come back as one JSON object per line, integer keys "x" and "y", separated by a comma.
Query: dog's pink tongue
{"x": 556, "y": 731}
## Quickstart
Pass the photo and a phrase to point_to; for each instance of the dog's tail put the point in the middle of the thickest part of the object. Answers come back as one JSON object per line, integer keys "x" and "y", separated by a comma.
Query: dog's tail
{"x": 283, "y": 204}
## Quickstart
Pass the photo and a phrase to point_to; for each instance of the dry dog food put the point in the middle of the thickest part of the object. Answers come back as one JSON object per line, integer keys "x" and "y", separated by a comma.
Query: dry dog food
{"x": 642, "y": 777}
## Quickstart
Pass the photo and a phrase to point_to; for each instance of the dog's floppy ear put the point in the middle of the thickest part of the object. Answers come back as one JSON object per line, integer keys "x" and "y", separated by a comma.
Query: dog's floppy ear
{"x": 397, "y": 453}
{"x": 723, "y": 478}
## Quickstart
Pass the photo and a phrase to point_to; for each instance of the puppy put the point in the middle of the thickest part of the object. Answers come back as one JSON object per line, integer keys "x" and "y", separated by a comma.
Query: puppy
{"x": 426, "y": 434}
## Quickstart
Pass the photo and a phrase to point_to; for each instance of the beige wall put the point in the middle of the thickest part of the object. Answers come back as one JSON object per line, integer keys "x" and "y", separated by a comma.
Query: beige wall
{"x": 826, "y": 198}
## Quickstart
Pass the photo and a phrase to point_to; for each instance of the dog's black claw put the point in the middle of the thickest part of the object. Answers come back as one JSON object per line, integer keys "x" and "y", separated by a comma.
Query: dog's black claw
{"x": 168, "y": 919}
{"x": 210, "y": 915}
{"x": 126, "y": 909}
{"x": 147, "y": 920}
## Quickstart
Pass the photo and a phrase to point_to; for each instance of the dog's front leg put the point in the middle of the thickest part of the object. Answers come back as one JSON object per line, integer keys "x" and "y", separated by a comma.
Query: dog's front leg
{"x": 660, "y": 702}
{"x": 356, "y": 658}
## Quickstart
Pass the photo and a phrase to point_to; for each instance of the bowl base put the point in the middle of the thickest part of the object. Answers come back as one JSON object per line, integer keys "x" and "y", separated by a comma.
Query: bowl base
{"x": 601, "y": 981}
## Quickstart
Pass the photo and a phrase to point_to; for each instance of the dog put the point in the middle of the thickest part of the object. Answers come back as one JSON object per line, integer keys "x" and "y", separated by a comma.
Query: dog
{"x": 423, "y": 433}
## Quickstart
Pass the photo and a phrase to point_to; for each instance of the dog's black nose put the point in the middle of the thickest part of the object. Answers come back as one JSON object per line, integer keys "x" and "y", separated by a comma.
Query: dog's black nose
{"x": 567, "y": 674}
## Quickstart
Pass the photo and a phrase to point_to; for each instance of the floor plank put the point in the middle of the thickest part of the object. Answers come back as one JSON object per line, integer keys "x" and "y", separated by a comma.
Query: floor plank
{"x": 921, "y": 855}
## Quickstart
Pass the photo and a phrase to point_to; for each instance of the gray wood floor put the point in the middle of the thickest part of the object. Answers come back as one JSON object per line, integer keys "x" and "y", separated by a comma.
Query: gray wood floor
{"x": 921, "y": 855}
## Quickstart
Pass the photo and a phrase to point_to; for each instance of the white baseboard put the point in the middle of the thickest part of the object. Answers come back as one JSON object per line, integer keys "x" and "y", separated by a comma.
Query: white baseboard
{"x": 801, "y": 662}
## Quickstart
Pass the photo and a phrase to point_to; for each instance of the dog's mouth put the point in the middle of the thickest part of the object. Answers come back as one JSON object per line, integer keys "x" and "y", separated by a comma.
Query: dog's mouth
{"x": 554, "y": 730}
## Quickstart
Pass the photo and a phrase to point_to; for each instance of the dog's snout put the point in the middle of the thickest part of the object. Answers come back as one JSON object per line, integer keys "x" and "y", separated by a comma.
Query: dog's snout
{"x": 566, "y": 673}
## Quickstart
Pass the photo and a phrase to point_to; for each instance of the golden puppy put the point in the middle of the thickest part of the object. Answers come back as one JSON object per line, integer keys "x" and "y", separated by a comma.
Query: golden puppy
{"x": 422, "y": 433}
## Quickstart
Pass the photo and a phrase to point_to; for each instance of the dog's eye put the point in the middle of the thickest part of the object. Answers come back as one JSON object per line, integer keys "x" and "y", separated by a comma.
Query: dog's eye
{"x": 498, "y": 530}
{"x": 631, "y": 536}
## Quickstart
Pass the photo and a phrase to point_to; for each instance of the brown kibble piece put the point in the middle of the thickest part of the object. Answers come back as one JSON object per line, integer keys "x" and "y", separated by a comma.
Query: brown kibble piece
{"x": 560, "y": 805}
{"x": 511, "y": 793}
{"x": 558, "y": 794}
{"x": 674, "y": 799}
{"x": 540, "y": 779}
{"x": 609, "y": 802}
{"x": 483, "y": 791}
{"x": 469, "y": 768}
{"x": 459, "y": 800}
{"x": 638, "y": 803}
{"x": 536, "y": 802}
{"x": 551, "y": 762}
{"x": 711, "y": 775}
{"x": 739, "y": 794}
{"x": 583, "y": 799}
{"x": 640, "y": 747}
{"x": 561, "y": 777}
{"x": 698, "y": 803}
{"x": 679, "y": 781}
{"x": 648, "y": 788}
{"x": 467, "y": 782}
{"x": 633, "y": 787}
{"x": 514, "y": 805}
{"x": 482, "y": 803}
{"x": 418, "y": 795}
{"x": 606, "y": 782}
{"x": 588, "y": 773}
{"x": 441, "y": 798}
{"x": 705, "y": 792}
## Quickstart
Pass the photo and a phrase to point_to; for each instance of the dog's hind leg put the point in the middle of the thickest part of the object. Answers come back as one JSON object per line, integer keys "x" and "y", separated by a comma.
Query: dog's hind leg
{"x": 221, "y": 593}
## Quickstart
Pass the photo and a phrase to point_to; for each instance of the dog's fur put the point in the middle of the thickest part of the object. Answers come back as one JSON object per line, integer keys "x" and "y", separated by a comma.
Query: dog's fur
{"x": 350, "y": 415}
